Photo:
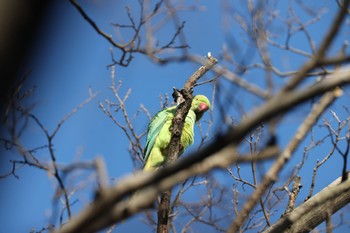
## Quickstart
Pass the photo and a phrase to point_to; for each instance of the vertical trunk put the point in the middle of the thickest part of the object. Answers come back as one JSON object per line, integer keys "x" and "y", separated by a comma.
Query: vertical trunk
{"x": 163, "y": 212}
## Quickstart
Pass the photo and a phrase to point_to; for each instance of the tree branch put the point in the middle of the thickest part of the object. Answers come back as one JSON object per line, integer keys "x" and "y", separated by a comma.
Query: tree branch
{"x": 326, "y": 42}
{"x": 94, "y": 25}
{"x": 284, "y": 157}
{"x": 110, "y": 208}
{"x": 310, "y": 214}
{"x": 174, "y": 145}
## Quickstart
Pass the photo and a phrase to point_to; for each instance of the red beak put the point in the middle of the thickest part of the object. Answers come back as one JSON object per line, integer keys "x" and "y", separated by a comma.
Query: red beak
{"x": 203, "y": 107}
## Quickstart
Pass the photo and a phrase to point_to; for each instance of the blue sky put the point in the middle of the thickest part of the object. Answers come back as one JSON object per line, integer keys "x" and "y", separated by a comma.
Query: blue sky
{"x": 69, "y": 57}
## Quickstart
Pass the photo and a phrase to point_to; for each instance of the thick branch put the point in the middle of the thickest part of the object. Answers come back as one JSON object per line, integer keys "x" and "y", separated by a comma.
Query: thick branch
{"x": 174, "y": 145}
{"x": 220, "y": 153}
{"x": 313, "y": 212}
{"x": 272, "y": 174}
{"x": 334, "y": 60}
{"x": 110, "y": 208}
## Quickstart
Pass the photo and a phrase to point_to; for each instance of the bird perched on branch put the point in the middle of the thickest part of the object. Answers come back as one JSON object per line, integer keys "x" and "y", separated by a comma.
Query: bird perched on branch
{"x": 159, "y": 132}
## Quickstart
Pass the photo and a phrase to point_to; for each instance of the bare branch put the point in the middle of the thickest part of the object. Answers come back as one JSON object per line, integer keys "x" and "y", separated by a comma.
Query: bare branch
{"x": 148, "y": 185}
{"x": 321, "y": 52}
{"x": 174, "y": 145}
{"x": 302, "y": 219}
{"x": 271, "y": 175}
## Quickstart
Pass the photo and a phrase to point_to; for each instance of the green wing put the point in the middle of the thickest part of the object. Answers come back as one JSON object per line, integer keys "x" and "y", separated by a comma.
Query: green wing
{"x": 155, "y": 127}
{"x": 159, "y": 132}
{"x": 187, "y": 135}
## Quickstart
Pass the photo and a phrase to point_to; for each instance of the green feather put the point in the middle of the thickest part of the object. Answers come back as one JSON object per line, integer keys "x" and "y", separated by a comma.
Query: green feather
{"x": 159, "y": 132}
{"x": 155, "y": 127}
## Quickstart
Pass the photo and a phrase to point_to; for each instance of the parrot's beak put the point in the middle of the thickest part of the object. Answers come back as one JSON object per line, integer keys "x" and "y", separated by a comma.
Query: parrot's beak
{"x": 203, "y": 107}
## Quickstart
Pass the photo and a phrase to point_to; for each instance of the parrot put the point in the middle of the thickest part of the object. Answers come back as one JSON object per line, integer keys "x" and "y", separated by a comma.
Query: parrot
{"x": 159, "y": 132}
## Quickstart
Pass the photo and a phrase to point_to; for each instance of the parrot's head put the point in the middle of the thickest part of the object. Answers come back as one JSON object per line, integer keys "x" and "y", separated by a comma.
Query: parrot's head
{"x": 200, "y": 104}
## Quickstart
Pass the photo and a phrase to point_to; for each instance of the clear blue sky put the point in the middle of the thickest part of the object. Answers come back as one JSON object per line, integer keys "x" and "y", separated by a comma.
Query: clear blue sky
{"x": 68, "y": 58}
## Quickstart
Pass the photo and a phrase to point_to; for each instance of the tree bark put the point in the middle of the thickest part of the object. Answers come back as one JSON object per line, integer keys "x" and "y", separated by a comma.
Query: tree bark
{"x": 316, "y": 210}
{"x": 174, "y": 145}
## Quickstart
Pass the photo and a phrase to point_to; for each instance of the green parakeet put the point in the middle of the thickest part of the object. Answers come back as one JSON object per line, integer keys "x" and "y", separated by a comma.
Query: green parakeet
{"x": 159, "y": 132}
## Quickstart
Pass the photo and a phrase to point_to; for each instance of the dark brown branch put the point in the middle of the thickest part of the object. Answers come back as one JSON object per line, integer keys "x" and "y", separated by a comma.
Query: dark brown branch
{"x": 134, "y": 45}
{"x": 333, "y": 60}
{"x": 174, "y": 145}
{"x": 94, "y": 25}
{"x": 219, "y": 154}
